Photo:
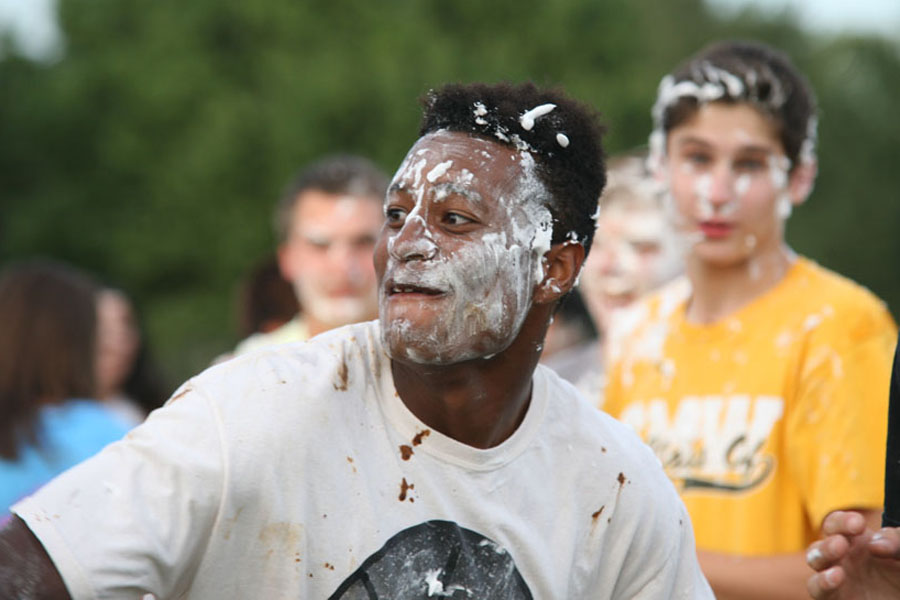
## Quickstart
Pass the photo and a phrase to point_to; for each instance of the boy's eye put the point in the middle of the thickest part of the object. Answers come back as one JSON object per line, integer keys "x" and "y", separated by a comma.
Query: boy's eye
{"x": 645, "y": 246}
{"x": 750, "y": 164}
{"x": 395, "y": 215}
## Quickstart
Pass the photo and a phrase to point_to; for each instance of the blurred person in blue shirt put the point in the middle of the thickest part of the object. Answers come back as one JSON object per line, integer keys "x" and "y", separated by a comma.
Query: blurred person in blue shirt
{"x": 48, "y": 419}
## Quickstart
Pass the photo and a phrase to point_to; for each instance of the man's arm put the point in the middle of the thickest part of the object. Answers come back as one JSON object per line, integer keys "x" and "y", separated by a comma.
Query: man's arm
{"x": 772, "y": 577}
{"x": 854, "y": 561}
{"x": 26, "y": 570}
{"x": 735, "y": 577}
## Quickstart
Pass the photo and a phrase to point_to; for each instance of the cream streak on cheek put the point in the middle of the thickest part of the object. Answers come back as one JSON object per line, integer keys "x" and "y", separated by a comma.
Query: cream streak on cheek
{"x": 779, "y": 167}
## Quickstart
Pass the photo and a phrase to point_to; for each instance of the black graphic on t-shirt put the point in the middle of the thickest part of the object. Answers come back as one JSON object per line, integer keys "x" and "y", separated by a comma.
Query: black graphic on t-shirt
{"x": 437, "y": 559}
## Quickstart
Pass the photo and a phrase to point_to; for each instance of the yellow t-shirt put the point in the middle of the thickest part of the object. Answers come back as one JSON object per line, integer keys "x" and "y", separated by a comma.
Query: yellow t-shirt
{"x": 770, "y": 419}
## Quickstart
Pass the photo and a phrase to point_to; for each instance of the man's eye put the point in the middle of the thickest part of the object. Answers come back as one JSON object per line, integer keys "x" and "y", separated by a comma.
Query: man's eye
{"x": 453, "y": 218}
{"x": 698, "y": 158}
{"x": 318, "y": 244}
{"x": 395, "y": 215}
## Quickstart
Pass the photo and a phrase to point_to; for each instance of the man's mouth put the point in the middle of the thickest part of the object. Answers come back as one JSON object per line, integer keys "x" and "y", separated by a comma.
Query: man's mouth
{"x": 408, "y": 288}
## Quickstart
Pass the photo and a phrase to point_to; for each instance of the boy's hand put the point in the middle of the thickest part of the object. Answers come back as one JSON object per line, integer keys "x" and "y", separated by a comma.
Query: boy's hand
{"x": 853, "y": 561}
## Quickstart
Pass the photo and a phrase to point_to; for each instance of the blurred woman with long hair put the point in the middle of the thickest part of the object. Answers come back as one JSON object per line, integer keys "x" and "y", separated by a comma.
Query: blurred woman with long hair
{"x": 48, "y": 419}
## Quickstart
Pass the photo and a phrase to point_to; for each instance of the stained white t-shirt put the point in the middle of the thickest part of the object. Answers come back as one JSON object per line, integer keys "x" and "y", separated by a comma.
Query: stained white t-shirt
{"x": 298, "y": 472}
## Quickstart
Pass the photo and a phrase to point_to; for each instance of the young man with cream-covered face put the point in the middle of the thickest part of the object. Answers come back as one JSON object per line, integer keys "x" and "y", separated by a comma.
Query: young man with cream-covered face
{"x": 326, "y": 222}
{"x": 426, "y": 454}
{"x": 762, "y": 385}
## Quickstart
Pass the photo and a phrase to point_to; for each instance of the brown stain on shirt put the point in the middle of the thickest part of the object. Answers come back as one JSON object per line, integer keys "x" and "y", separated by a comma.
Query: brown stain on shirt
{"x": 404, "y": 488}
{"x": 406, "y": 452}
{"x": 341, "y": 383}
{"x": 282, "y": 539}
{"x": 417, "y": 440}
{"x": 597, "y": 514}
{"x": 229, "y": 523}
{"x": 187, "y": 389}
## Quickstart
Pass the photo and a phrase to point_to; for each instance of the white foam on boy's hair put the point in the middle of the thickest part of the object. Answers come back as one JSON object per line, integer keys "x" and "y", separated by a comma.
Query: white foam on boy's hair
{"x": 808, "y": 146}
{"x": 562, "y": 139}
{"x": 528, "y": 118}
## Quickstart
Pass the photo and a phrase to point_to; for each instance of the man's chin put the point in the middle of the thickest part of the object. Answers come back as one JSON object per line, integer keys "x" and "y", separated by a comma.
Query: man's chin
{"x": 403, "y": 342}
{"x": 336, "y": 313}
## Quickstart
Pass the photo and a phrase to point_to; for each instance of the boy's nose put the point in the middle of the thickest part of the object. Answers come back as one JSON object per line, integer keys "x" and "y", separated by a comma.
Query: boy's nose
{"x": 721, "y": 189}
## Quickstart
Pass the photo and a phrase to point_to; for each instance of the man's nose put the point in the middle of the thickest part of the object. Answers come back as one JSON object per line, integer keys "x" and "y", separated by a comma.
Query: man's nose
{"x": 413, "y": 242}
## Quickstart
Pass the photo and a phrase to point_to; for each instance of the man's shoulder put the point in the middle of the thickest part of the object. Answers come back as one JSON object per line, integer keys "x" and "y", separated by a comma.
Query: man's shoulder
{"x": 590, "y": 429}
{"x": 658, "y": 305}
{"x": 834, "y": 285}
{"x": 640, "y": 329}
{"x": 294, "y": 330}
{"x": 832, "y": 298}
{"x": 339, "y": 361}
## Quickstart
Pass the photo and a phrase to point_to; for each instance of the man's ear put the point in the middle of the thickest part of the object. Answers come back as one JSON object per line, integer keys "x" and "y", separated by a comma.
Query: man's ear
{"x": 288, "y": 262}
{"x": 561, "y": 264}
{"x": 801, "y": 181}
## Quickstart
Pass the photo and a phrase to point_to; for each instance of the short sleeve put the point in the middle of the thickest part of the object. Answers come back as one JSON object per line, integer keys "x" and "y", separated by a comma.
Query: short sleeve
{"x": 662, "y": 561}
{"x": 135, "y": 518}
{"x": 838, "y": 424}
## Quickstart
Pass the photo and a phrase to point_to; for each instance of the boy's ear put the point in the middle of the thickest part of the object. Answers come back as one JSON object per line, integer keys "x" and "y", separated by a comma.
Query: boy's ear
{"x": 801, "y": 181}
{"x": 561, "y": 265}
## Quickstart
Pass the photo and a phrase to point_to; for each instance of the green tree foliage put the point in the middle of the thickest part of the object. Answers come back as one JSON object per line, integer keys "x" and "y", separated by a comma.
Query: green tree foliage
{"x": 152, "y": 152}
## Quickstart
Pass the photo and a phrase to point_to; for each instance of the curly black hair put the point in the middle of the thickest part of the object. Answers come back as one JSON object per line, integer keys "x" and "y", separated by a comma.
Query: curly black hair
{"x": 565, "y": 142}
{"x": 743, "y": 71}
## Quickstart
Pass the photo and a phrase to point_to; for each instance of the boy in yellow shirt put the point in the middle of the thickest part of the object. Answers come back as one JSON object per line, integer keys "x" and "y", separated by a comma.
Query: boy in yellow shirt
{"x": 761, "y": 380}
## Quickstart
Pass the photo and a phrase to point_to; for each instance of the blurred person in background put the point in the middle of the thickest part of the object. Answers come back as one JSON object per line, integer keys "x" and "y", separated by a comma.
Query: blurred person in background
{"x": 49, "y": 418}
{"x": 266, "y": 300}
{"x": 128, "y": 379}
{"x": 570, "y": 346}
{"x": 327, "y": 222}
{"x": 762, "y": 386}
{"x": 635, "y": 251}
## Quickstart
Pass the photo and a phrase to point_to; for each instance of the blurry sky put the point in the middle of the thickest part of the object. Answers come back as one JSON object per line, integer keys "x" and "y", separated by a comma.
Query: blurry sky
{"x": 830, "y": 16}
{"x": 33, "y": 28}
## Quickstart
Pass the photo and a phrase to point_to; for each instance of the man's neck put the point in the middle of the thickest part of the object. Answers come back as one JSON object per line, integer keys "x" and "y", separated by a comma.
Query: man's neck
{"x": 718, "y": 292}
{"x": 479, "y": 402}
{"x": 314, "y": 326}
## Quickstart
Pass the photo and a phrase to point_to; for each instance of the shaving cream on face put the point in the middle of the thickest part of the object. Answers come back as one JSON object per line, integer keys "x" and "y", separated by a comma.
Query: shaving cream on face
{"x": 779, "y": 166}
{"x": 702, "y": 192}
{"x": 485, "y": 277}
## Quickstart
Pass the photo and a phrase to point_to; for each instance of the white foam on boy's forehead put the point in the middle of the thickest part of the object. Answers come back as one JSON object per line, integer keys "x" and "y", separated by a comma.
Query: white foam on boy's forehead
{"x": 711, "y": 83}
{"x": 438, "y": 170}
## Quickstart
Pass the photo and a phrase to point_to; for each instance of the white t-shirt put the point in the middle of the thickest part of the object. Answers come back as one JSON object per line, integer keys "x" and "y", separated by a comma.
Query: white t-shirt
{"x": 298, "y": 472}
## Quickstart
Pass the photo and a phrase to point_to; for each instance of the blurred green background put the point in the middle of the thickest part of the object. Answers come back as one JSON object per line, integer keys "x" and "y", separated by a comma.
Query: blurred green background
{"x": 151, "y": 151}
